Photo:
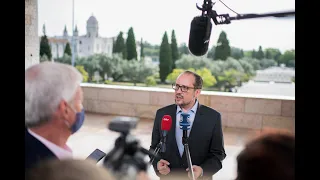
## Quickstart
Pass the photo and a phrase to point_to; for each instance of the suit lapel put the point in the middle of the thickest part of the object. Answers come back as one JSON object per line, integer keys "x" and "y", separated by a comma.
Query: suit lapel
{"x": 173, "y": 129}
{"x": 196, "y": 124}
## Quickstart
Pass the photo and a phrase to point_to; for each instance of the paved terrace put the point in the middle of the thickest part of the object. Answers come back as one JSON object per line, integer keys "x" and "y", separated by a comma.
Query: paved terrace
{"x": 243, "y": 118}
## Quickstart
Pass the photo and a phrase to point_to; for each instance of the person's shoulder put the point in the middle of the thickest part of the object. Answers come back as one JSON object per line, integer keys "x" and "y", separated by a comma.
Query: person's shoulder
{"x": 208, "y": 110}
{"x": 166, "y": 108}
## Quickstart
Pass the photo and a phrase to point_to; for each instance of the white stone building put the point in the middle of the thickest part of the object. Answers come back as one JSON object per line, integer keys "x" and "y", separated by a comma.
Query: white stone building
{"x": 85, "y": 45}
{"x": 271, "y": 81}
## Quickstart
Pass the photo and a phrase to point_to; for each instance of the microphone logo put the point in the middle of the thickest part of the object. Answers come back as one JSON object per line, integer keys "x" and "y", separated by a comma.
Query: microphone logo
{"x": 184, "y": 121}
{"x": 165, "y": 119}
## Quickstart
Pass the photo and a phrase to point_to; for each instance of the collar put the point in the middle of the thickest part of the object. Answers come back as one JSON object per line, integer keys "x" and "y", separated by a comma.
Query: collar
{"x": 193, "y": 109}
{"x": 60, "y": 152}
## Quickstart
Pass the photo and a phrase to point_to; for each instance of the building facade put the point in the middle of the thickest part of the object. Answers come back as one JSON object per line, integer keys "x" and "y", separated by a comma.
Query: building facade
{"x": 85, "y": 45}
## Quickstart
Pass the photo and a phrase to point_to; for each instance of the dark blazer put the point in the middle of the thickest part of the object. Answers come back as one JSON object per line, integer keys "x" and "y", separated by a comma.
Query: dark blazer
{"x": 206, "y": 143}
{"x": 35, "y": 151}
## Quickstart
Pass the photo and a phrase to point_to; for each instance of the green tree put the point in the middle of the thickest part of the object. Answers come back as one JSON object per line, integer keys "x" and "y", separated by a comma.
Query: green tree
{"x": 254, "y": 54}
{"x": 236, "y": 53}
{"x": 208, "y": 79}
{"x": 67, "y": 49}
{"x": 268, "y": 54}
{"x": 83, "y": 72}
{"x": 223, "y": 50}
{"x": 183, "y": 49}
{"x": 150, "y": 81}
{"x": 141, "y": 49}
{"x": 66, "y": 59}
{"x": 231, "y": 78}
{"x": 131, "y": 45}
{"x": 119, "y": 46}
{"x": 172, "y": 77}
{"x": 260, "y": 54}
{"x": 274, "y": 53}
{"x": 174, "y": 49}
{"x": 265, "y": 63}
{"x": 287, "y": 56}
{"x": 44, "y": 58}
{"x": 190, "y": 61}
{"x": 91, "y": 65}
{"x": 165, "y": 58}
{"x": 137, "y": 71}
{"x": 241, "y": 54}
{"x": 211, "y": 53}
{"x": 44, "y": 45}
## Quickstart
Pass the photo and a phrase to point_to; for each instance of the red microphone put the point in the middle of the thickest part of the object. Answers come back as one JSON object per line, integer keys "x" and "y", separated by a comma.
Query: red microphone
{"x": 166, "y": 124}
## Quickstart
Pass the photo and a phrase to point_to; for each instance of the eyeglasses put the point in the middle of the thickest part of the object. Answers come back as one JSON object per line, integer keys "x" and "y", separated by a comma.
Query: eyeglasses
{"x": 182, "y": 87}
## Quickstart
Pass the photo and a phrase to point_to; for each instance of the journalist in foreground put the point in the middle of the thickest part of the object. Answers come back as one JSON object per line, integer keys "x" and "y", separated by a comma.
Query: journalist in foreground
{"x": 205, "y": 137}
{"x": 269, "y": 156}
{"x": 53, "y": 111}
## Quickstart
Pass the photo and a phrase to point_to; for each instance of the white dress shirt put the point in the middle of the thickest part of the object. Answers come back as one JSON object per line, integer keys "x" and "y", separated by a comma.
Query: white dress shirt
{"x": 192, "y": 112}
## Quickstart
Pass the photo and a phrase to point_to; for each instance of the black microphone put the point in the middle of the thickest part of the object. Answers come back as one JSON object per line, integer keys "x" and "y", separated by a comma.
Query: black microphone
{"x": 200, "y": 30}
{"x": 199, "y": 37}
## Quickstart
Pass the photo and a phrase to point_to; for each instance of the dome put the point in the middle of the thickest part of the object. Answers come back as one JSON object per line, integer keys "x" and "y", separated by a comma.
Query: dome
{"x": 92, "y": 20}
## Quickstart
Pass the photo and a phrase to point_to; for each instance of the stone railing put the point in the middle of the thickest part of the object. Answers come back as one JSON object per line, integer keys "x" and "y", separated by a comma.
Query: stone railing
{"x": 237, "y": 110}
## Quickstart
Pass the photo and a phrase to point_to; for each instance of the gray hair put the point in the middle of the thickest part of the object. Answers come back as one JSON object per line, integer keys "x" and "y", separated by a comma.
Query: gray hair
{"x": 46, "y": 85}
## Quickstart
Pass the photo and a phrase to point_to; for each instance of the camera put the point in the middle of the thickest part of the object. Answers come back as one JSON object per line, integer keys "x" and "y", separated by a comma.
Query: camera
{"x": 127, "y": 158}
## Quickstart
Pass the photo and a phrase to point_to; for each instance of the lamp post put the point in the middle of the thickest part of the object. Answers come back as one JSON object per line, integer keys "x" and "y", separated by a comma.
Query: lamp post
{"x": 72, "y": 38}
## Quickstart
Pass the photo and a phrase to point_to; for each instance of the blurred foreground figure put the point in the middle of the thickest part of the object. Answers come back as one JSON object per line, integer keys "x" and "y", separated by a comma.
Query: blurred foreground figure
{"x": 53, "y": 111}
{"x": 68, "y": 169}
{"x": 270, "y": 156}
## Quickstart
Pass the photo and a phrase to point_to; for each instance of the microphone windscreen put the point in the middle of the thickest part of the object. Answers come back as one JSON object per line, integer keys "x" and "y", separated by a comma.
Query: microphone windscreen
{"x": 199, "y": 37}
{"x": 166, "y": 123}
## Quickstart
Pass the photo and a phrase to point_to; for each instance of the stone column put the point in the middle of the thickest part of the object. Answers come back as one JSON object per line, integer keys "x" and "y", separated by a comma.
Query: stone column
{"x": 32, "y": 45}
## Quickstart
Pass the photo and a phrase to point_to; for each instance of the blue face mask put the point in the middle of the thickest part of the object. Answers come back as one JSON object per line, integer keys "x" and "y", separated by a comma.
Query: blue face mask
{"x": 80, "y": 116}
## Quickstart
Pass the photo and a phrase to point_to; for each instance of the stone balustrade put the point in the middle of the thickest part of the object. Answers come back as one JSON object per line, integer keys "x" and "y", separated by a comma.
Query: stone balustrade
{"x": 237, "y": 110}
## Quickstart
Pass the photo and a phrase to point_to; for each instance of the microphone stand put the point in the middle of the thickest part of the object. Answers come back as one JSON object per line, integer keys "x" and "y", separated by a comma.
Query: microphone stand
{"x": 185, "y": 126}
{"x": 226, "y": 19}
{"x": 156, "y": 151}
{"x": 161, "y": 146}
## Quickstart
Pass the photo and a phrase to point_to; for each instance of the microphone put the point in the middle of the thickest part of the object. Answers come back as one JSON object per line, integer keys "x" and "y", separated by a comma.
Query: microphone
{"x": 199, "y": 37}
{"x": 166, "y": 124}
{"x": 200, "y": 30}
{"x": 185, "y": 126}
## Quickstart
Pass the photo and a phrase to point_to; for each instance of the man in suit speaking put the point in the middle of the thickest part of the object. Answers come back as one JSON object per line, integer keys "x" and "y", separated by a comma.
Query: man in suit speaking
{"x": 205, "y": 137}
{"x": 53, "y": 111}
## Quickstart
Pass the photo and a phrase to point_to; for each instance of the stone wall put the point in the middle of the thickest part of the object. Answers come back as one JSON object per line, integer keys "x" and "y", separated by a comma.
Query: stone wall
{"x": 31, "y": 33}
{"x": 245, "y": 111}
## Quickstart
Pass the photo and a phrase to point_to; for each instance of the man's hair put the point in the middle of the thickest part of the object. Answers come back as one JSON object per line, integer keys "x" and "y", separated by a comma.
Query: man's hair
{"x": 68, "y": 169}
{"x": 198, "y": 82}
{"x": 46, "y": 84}
{"x": 270, "y": 156}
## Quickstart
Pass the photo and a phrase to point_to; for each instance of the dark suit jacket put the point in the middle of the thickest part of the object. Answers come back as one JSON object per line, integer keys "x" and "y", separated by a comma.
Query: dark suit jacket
{"x": 206, "y": 143}
{"x": 35, "y": 151}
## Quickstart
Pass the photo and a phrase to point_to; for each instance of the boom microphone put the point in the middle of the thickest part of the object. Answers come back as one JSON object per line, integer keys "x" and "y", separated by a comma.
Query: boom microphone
{"x": 166, "y": 124}
{"x": 201, "y": 26}
{"x": 199, "y": 37}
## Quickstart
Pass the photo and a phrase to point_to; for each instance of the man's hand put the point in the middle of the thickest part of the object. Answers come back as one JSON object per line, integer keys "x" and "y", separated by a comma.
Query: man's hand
{"x": 197, "y": 170}
{"x": 162, "y": 167}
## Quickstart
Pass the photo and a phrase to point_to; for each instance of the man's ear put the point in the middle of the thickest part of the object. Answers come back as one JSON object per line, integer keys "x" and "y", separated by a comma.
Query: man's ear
{"x": 63, "y": 110}
{"x": 197, "y": 93}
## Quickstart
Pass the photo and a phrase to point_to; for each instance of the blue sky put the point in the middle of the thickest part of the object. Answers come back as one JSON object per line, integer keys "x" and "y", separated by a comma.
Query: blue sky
{"x": 150, "y": 18}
